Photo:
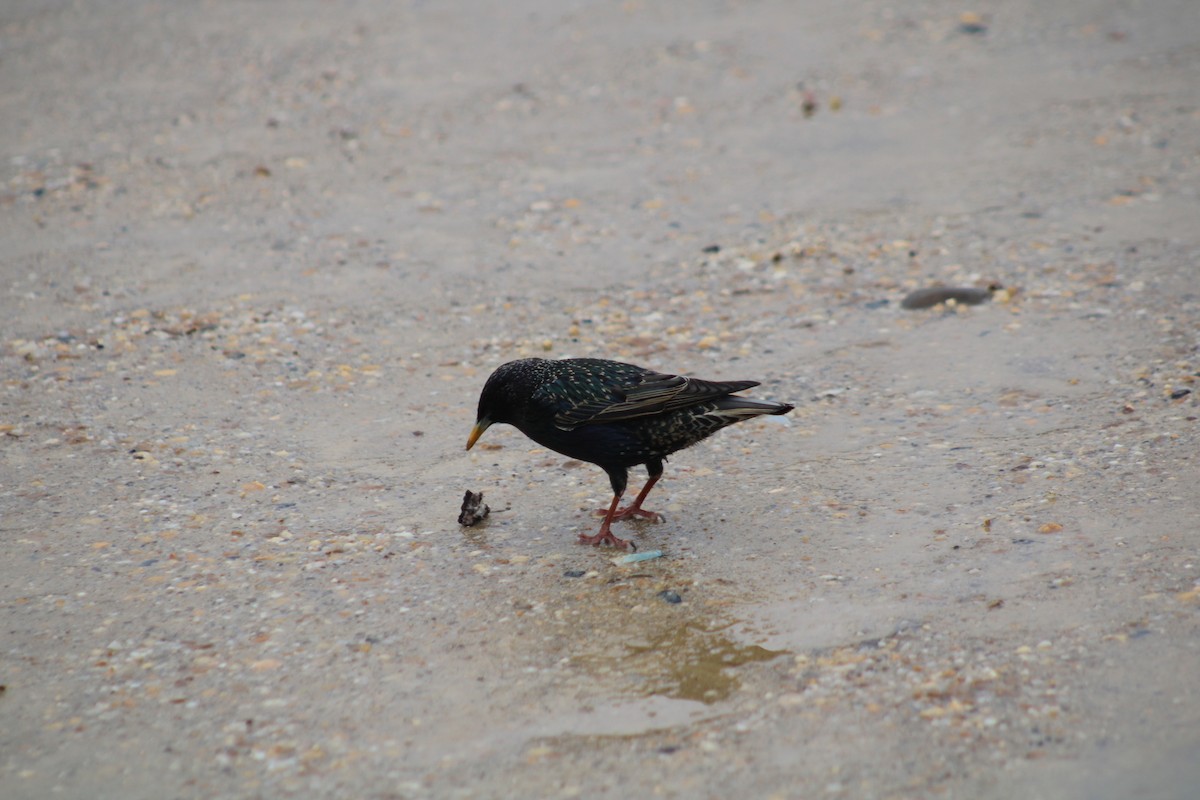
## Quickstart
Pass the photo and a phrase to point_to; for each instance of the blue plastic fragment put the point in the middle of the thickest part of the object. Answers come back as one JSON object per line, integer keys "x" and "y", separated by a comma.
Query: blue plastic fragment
{"x": 633, "y": 558}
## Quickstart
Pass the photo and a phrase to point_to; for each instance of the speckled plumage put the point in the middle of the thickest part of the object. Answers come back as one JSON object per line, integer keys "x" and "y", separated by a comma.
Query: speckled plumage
{"x": 612, "y": 414}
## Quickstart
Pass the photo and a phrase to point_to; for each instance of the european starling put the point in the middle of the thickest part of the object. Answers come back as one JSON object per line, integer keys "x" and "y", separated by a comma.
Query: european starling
{"x": 614, "y": 415}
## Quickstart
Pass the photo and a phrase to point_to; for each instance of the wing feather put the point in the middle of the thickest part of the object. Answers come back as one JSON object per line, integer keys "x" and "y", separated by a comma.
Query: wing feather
{"x": 653, "y": 393}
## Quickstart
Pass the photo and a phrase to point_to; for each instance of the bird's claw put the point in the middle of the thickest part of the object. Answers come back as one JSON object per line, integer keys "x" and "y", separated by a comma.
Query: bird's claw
{"x": 625, "y": 513}
{"x": 606, "y": 537}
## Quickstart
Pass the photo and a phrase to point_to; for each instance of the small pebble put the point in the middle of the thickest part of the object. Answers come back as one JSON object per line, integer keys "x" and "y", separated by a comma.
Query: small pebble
{"x": 574, "y": 573}
{"x": 933, "y": 295}
{"x": 670, "y": 596}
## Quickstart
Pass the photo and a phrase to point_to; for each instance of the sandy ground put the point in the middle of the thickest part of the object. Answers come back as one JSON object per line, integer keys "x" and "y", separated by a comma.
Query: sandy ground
{"x": 259, "y": 257}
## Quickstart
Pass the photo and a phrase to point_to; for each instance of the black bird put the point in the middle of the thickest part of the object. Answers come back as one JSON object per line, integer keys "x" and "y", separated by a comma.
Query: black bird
{"x": 614, "y": 415}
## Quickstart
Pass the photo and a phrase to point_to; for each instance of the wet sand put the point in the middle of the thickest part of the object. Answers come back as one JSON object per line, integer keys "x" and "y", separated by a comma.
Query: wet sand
{"x": 259, "y": 258}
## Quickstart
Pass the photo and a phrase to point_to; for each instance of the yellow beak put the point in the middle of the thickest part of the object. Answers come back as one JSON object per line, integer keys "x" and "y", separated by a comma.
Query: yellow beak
{"x": 476, "y": 432}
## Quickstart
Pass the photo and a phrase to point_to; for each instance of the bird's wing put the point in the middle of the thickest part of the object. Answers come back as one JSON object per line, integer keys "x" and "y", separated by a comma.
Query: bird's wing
{"x": 654, "y": 393}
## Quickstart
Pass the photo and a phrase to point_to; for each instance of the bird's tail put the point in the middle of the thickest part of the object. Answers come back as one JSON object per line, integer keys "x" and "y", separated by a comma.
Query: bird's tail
{"x": 744, "y": 407}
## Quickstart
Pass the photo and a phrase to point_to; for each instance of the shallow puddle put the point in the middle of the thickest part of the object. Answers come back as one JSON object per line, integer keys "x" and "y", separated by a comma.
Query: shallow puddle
{"x": 685, "y": 662}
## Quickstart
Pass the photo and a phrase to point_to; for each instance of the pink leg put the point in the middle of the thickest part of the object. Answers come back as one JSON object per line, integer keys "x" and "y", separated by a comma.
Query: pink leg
{"x": 635, "y": 509}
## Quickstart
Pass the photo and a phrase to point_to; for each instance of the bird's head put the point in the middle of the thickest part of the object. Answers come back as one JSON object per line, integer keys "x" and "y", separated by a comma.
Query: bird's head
{"x": 500, "y": 399}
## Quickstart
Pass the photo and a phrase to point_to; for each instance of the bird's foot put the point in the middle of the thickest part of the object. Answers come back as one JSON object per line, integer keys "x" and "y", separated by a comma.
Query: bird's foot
{"x": 605, "y": 536}
{"x": 632, "y": 511}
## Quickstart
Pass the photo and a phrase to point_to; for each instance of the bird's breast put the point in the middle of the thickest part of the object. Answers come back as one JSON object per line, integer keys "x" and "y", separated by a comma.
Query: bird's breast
{"x": 614, "y": 444}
